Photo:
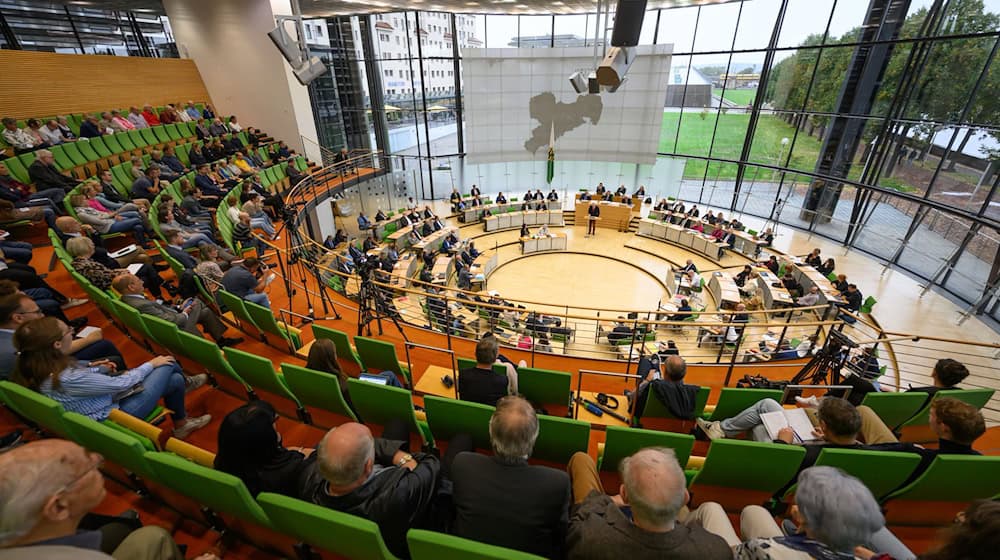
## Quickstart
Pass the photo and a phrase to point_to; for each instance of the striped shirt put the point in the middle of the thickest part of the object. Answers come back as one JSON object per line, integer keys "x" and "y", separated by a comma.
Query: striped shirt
{"x": 89, "y": 390}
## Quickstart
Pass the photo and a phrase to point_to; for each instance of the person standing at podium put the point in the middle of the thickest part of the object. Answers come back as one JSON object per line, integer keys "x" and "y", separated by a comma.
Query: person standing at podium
{"x": 593, "y": 214}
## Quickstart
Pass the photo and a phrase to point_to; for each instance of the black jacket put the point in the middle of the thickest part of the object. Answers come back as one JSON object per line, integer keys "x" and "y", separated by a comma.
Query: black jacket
{"x": 519, "y": 506}
{"x": 395, "y": 498}
{"x": 48, "y": 177}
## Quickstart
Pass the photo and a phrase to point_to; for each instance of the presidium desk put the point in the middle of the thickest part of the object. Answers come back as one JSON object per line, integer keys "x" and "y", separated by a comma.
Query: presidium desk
{"x": 613, "y": 215}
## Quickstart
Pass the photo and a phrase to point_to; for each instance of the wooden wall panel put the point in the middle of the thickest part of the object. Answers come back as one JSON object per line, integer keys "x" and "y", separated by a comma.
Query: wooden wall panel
{"x": 39, "y": 84}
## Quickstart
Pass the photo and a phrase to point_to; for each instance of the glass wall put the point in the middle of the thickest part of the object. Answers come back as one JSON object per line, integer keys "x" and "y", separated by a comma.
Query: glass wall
{"x": 77, "y": 28}
{"x": 879, "y": 130}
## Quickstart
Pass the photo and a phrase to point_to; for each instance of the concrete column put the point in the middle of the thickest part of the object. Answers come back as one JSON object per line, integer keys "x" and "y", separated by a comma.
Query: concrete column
{"x": 244, "y": 73}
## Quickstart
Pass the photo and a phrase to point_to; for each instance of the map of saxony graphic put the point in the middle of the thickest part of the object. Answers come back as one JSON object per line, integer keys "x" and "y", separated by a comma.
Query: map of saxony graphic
{"x": 545, "y": 109}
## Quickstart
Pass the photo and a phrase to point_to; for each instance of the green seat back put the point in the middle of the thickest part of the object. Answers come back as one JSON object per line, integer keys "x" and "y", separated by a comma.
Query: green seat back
{"x": 449, "y": 417}
{"x": 208, "y": 354}
{"x": 259, "y": 372}
{"x": 87, "y": 149}
{"x": 111, "y": 141}
{"x": 161, "y": 134}
{"x": 750, "y": 465}
{"x": 236, "y": 305}
{"x": 378, "y": 355}
{"x": 623, "y": 442}
{"x": 62, "y": 161}
{"x": 955, "y": 478}
{"x": 137, "y": 139}
{"x": 378, "y": 404}
{"x": 172, "y": 132}
{"x": 216, "y": 490}
{"x": 734, "y": 400}
{"x": 340, "y": 341}
{"x": 655, "y": 409}
{"x": 559, "y": 438}
{"x": 265, "y": 321}
{"x": 868, "y": 304}
{"x": 544, "y": 386}
{"x": 976, "y": 397}
{"x": 100, "y": 147}
{"x": 114, "y": 444}
{"x": 73, "y": 153}
{"x": 164, "y": 333}
{"x": 342, "y": 534}
{"x": 18, "y": 170}
{"x": 126, "y": 141}
{"x": 183, "y": 153}
{"x": 132, "y": 319}
{"x": 428, "y": 545}
{"x": 148, "y": 136}
{"x": 34, "y": 406}
{"x": 895, "y": 408}
{"x": 881, "y": 471}
{"x": 317, "y": 388}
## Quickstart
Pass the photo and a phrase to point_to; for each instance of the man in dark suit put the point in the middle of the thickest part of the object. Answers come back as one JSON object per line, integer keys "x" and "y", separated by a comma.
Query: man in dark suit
{"x": 593, "y": 214}
{"x": 176, "y": 250}
{"x": 187, "y": 317}
{"x": 653, "y": 487}
{"x": 504, "y": 501}
{"x": 480, "y": 383}
{"x": 45, "y": 175}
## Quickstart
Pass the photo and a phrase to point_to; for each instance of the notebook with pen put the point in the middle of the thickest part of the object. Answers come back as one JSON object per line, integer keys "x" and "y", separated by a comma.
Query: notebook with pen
{"x": 795, "y": 418}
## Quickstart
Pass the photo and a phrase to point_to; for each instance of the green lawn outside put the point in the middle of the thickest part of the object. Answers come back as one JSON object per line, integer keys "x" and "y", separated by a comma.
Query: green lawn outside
{"x": 696, "y": 139}
{"x": 738, "y": 96}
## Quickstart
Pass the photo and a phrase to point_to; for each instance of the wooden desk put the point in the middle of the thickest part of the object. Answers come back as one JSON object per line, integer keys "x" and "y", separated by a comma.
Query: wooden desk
{"x": 550, "y": 242}
{"x": 433, "y": 241}
{"x": 475, "y": 213}
{"x": 604, "y": 420}
{"x": 512, "y": 220}
{"x": 442, "y": 269}
{"x": 430, "y": 383}
{"x": 745, "y": 244}
{"x": 702, "y": 244}
{"x": 398, "y": 237}
{"x": 481, "y": 268}
{"x": 613, "y": 215}
{"x": 404, "y": 269}
{"x": 636, "y": 200}
{"x": 808, "y": 276}
{"x": 725, "y": 291}
{"x": 774, "y": 296}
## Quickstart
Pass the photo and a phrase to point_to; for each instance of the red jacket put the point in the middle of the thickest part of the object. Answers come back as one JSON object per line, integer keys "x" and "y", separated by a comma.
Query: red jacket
{"x": 151, "y": 118}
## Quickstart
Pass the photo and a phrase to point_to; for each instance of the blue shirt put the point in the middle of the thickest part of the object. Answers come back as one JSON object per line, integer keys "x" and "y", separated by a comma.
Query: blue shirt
{"x": 89, "y": 390}
{"x": 239, "y": 281}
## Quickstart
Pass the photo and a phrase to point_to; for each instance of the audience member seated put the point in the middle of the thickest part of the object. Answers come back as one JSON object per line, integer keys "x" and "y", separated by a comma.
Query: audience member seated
{"x": 21, "y": 195}
{"x": 217, "y": 128}
{"x": 44, "y": 174}
{"x": 91, "y": 127}
{"x": 813, "y": 258}
{"x": 840, "y": 284}
{"x": 480, "y": 383}
{"x": 834, "y": 511}
{"x": 323, "y": 357}
{"x": 150, "y": 116}
{"x": 68, "y": 228}
{"x": 678, "y": 397}
{"x": 853, "y": 297}
{"x": 135, "y": 117}
{"x": 187, "y": 316}
{"x": 244, "y": 236}
{"x": 502, "y": 500}
{"x": 975, "y": 535}
{"x": 250, "y": 449}
{"x": 19, "y": 308}
{"x": 108, "y": 222}
{"x": 810, "y": 299}
{"x": 241, "y": 280}
{"x": 51, "y": 134}
{"x": 45, "y": 365}
{"x": 20, "y": 139}
{"x": 827, "y": 267}
{"x": 647, "y": 519}
{"x": 377, "y": 479}
{"x": 65, "y": 483}
{"x": 82, "y": 250}
{"x": 148, "y": 185}
{"x": 771, "y": 264}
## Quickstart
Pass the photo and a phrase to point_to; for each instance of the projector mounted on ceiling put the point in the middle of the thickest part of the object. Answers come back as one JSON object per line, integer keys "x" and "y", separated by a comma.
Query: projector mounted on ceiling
{"x": 305, "y": 70}
{"x": 617, "y": 60}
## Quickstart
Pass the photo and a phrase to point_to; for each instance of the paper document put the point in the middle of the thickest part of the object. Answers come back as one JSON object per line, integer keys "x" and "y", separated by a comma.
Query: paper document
{"x": 270, "y": 278}
{"x": 85, "y": 331}
{"x": 123, "y": 251}
{"x": 796, "y": 418}
{"x": 134, "y": 268}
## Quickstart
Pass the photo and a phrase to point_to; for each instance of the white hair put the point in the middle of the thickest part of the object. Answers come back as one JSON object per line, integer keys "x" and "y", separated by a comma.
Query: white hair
{"x": 27, "y": 481}
{"x": 654, "y": 484}
{"x": 839, "y": 510}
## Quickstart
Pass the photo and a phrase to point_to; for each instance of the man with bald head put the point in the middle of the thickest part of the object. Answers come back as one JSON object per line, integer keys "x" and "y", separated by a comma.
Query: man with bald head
{"x": 647, "y": 519}
{"x": 375, "y": 478}
{"x": 47, "y": 487}
{"x": 504, "y": 501}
